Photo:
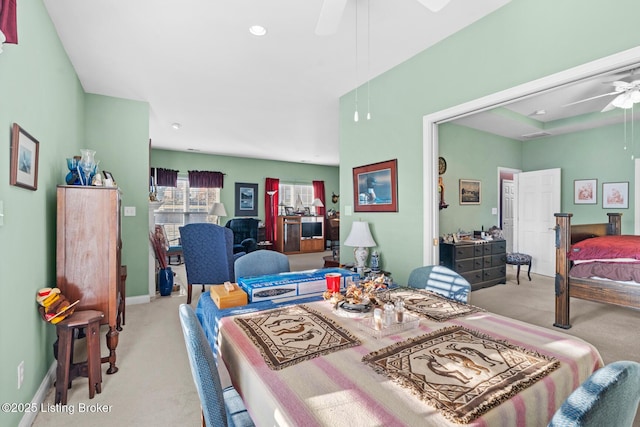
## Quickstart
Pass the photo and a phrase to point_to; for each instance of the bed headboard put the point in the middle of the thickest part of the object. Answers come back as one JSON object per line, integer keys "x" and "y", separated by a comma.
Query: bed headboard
{"x": 585, "y": 231}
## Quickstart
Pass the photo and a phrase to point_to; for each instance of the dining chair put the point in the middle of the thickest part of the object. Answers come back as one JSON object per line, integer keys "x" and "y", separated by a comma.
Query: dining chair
{"x": 442, "y": 281}
{"x": 207, "y": 250}
{"x": 261, "y": 262}
{"x": 220, "y": 407}
{"x": 609, "y": 397}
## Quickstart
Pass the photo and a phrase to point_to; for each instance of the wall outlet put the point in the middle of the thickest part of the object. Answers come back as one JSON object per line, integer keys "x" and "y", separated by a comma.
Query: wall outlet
{"x": 20, "y": 374}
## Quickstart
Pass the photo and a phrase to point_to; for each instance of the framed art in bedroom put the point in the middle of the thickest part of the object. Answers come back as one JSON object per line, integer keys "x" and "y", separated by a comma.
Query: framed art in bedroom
{"x": 615, "y": 195}
{"x": 470, "y": 192}
{"x": 585, "y": 191}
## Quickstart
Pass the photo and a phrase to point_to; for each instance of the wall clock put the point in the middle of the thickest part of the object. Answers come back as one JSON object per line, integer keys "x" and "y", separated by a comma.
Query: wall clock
{"x": 442, "y": 165}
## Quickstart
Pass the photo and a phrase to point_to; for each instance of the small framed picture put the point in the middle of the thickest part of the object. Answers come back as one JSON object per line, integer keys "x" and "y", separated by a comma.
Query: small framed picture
{"x": 24, "y": 159}
{"x": 246, "y": 199}
{"x": 615, "y": 195}
{"x": 470, "y": 192}
{"x": 585, "y": 191}
{"x": 288, "y": 210}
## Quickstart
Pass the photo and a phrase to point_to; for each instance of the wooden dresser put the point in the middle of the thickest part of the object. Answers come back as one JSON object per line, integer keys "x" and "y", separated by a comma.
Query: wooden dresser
{"x": 481, "y": 264}
{"x": 300, "y": 234}
{"x": 88, "y": 266}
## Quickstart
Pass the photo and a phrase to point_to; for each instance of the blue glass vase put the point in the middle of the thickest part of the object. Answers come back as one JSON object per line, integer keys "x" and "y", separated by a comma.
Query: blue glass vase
{"x": 165, "y": 281}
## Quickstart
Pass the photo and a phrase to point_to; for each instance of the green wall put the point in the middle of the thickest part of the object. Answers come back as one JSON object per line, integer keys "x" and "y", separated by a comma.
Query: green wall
{"x": 118, "y": 130}
{"x": 482, "y": 154}
{"x": 40, "y": 91}
{"x": 253, "y": 171}
{"x": 520, "y": 42}
{"x": 596, "y": 154}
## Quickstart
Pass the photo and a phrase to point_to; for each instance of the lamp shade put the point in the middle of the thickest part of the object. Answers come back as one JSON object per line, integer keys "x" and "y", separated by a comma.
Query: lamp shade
{"x": 318, "y": 203}
{"x": 360, "y": 236}
{"x": 217, "y": 209}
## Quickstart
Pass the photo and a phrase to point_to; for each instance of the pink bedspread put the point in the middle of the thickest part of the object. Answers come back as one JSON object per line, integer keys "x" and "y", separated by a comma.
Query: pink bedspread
{"x": 606, "y": 247}
{"x": 338, "y": 389}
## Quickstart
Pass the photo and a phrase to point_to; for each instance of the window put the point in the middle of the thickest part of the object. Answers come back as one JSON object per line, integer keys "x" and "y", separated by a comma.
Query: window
{"x": 183, "y": 205}
{"x": 295, "y": 194}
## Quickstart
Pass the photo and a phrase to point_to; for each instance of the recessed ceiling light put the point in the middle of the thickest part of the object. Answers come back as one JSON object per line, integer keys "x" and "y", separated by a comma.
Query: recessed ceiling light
{"x": 540, "y": 112}
{"x": 258, "y": 30}
{"x": 176, "y": 126}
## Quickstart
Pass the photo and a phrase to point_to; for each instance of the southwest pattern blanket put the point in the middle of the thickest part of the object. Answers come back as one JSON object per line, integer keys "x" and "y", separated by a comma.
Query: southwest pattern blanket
{"x": 461, "y": 372}
{"x": 431, "y": 305}
{"x": 293, "y": 334}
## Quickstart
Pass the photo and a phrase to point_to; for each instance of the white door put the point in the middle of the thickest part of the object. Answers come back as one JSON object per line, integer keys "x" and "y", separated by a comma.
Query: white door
{"x": 508, "y": 211}
{"x": 537, "y": 199}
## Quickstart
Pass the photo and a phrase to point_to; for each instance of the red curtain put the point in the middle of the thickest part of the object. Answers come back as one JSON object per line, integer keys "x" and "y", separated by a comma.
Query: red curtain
{"x": 271, "y": 208}
{"x": 8, "y": 21}
{"x": 318, "y": 193}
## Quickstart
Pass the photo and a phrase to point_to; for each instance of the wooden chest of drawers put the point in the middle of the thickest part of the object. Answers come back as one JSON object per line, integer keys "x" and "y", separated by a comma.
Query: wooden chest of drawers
{"x": 482, "y": 264}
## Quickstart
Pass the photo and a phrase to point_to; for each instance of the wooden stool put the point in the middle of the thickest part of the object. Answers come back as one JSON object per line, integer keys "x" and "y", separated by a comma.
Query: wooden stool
{"x": 519, "y": 259}
{"x": 67, "y": 370}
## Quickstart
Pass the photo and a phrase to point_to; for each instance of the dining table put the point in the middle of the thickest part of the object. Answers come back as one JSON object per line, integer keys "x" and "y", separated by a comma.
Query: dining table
{"x": 353, "y": 384}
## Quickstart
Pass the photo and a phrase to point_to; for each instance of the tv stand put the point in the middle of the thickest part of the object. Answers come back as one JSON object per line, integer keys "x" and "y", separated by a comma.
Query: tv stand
{"x": 300, "y": 234}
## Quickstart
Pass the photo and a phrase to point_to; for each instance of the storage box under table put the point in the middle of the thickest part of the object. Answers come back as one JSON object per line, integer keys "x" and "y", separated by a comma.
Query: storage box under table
{"x": 290, "y": 285}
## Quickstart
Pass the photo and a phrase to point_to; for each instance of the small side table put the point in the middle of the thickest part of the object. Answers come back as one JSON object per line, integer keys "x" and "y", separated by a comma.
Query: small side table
{"x": 67, "y": 370}
{"x": 330, "y": 261}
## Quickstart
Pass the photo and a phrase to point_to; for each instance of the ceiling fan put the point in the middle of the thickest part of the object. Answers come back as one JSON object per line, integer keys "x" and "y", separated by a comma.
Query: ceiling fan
{"x": 627, "y": 94}
{"x": 331, "y": 14}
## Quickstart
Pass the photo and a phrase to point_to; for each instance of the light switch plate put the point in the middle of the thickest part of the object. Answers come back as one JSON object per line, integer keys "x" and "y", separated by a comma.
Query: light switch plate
{"x": 1, "y": 212}
{"x": 129, "y": 211}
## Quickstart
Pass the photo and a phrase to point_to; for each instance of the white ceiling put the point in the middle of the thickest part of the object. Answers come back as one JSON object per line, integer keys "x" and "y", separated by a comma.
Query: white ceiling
{"x": 518, "y": 120}
{"x": 274, "y": 97}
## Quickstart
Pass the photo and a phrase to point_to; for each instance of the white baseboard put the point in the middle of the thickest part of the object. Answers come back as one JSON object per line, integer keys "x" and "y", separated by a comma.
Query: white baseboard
{"x": 38, "y": 399}
{"x": 140, "y": 299}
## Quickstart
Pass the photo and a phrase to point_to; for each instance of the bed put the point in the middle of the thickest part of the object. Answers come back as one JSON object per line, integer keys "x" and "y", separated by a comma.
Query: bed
{"x": 598, "y": 289}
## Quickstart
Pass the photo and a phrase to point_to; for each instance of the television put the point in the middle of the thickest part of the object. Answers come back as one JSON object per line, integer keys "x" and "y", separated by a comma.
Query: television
{"x": 311, "y": 230}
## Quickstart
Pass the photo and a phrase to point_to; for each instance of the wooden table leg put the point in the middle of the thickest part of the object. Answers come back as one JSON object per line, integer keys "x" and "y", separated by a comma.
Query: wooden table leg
{"x": 112, "y": 343}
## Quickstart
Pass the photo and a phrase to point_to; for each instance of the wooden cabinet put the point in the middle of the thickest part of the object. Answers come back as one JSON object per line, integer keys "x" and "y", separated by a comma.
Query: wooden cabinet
{"x": 300, "y": 234}
{"x": 88, "y": 266}
{"x": 482, "y": 264}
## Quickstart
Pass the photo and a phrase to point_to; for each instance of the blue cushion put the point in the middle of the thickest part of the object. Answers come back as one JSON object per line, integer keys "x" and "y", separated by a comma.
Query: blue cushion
{"x": 518, "y": 258}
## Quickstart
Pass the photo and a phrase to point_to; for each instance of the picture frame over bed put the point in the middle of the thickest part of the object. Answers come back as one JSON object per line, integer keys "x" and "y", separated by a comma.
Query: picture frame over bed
{"x": 624, "y": 294}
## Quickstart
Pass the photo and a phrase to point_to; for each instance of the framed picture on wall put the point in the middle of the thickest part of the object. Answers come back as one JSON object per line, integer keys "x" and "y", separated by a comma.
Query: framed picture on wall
{"x": 24, "y": 159}
{"x": 615, "y": 195}
{"x": 375, "y": 187}
{"x": 585, "y": 191}
{"x": 246, "y": 199}
{"x": 470, "y": 192}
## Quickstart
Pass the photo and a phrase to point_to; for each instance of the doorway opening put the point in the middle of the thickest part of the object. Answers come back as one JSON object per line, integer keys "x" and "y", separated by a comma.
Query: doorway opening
{"x": 432, "y": 121}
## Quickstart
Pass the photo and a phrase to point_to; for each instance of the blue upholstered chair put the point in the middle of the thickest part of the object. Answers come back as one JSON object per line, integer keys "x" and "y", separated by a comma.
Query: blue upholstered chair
{"x": 261, "y": 262}
{"x": 220, "y": 407}
{"x": 245, "y": 234}
{"x": 208, "y": 255}
{"x": 442, "y": 281}
{"x": 609, "y": 397}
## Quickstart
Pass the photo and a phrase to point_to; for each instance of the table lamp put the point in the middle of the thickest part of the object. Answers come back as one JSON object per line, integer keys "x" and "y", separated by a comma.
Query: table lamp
{"x": 361, "y": 240}
{"x": 218, "y": 210}
{"x": 317, "y": 203}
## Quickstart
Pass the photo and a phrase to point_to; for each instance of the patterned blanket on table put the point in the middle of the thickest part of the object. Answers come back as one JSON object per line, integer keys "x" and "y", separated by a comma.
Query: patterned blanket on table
{"x": 293, "y": 334}
{"x": 461, "y": 372}
{"x": 431, "y": 305}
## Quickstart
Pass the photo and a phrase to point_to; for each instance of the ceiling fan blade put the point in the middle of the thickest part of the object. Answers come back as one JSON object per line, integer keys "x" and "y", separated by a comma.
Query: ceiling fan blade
{"x": 434, "y": 5}
{"x": 330, "y": 17}
{"x": 589, "y": 99}
{"x": 609, "y": 107}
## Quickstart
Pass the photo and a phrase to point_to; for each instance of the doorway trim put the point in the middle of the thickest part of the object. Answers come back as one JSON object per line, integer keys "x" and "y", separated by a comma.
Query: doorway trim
{"x": 431, "y": 121}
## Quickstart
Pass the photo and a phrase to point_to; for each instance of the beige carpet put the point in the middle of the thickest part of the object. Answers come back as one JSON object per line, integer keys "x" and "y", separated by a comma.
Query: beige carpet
{"x": 154, "y": 386}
